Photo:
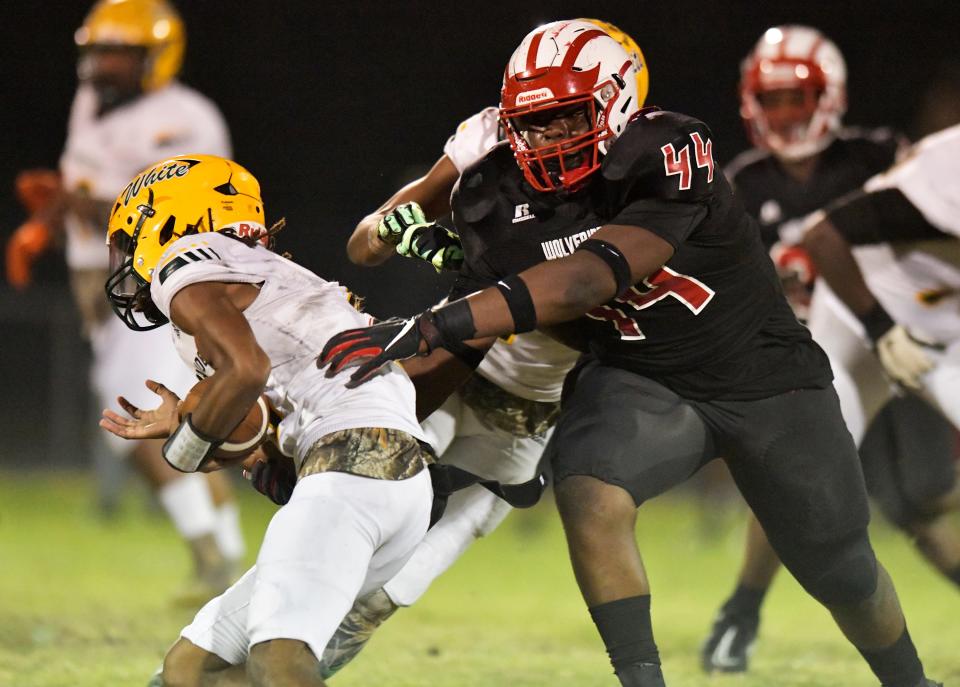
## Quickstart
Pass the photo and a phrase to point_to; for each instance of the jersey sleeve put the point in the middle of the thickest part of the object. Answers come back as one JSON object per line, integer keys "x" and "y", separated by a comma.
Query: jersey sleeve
{"x": 881, "y": 216}
{"x": 194, "y": 259}
{"x": 473, "y": 139}
{"x": 926, "y": 176}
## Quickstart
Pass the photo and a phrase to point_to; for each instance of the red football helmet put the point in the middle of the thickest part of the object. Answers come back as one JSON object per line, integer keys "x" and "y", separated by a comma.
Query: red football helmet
{"x": 801, "y": 63}
{"x": 559, "y": 66}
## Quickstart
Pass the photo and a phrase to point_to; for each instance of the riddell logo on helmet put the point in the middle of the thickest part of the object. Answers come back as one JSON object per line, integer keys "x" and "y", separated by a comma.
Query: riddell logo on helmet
{"x": 534, "y": 96}
{"x": 175, "y": 168}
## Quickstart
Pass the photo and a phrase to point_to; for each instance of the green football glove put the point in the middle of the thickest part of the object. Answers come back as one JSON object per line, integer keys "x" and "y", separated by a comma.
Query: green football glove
{"x": 407, "y": 228}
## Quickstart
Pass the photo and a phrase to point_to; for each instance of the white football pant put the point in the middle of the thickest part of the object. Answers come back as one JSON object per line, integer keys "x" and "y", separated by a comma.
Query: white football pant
{"x": 340, "y": 537}
{"x": 460, "y": 439}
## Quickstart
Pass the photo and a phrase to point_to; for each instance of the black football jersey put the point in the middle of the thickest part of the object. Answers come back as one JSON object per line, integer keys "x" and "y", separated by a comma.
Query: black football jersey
{"x": 779, "y": 202}
{"x": 712, "y": 323}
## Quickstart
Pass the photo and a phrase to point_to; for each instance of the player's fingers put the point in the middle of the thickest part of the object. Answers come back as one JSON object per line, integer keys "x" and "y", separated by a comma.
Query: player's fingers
{"x": 338, "y": 343}
{"x": 116, "y": 418}
{"x": 129, "y": 408}
{"x": 364, "y": 373}
{"x": 120, "y": 430}
{"x": 351, "y": 357}
{"x": 160, "y": 390}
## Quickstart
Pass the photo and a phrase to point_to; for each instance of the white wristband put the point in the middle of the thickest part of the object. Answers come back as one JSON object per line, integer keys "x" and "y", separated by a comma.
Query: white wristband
{"x": 186, "y": 449}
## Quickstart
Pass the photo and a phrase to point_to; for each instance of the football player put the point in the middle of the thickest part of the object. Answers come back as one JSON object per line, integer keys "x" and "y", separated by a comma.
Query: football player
{"x": 638, "y": 254}
{"x": 497, "y": 424}
{"x": 130, "y": 110}
{"x": 184, "y": 242}
{"x": 793, "y": 95}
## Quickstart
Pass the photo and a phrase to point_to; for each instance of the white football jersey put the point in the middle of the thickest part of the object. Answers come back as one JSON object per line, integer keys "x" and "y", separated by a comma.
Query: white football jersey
{"x": 919, "y": 282}
{"x": 292, "y": 318}
{"x": 103, "y": 153}
{"x": 533, "y": 365}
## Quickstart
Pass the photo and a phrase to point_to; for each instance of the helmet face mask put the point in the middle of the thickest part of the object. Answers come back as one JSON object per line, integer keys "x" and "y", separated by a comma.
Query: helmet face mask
{"x": 572, "y": 158}
{"x": 152, "y": 27}
{"x": 115, "y": 72}
{"x": 177, "y": 197}
{"x": 558, "y": 67}
{"x": 793, "y": 92}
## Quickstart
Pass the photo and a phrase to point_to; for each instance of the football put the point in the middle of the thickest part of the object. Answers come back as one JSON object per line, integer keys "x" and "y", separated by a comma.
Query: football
{"x": 247, "y": 436}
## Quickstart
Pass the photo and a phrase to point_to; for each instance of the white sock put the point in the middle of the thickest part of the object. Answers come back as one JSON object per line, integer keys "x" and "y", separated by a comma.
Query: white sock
{"x": 227, "y": 533}
{"x": 189, "y": 505}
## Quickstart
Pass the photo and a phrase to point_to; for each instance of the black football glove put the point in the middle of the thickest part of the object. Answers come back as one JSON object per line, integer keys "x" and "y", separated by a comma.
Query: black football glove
{"x": 275, "y": 479}
{"x": 407, "y": 228}
{"x": 370, "y": 348}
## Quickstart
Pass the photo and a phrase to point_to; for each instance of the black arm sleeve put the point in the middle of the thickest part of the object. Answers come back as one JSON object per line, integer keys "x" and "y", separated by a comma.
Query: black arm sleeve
{"x": 880, "y": 217}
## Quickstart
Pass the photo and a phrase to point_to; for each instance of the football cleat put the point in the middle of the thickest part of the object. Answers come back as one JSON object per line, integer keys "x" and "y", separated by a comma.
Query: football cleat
{"x": 641, "y": 675}
{"x": 355, "y": 631}
{"x": 730, "y": 644}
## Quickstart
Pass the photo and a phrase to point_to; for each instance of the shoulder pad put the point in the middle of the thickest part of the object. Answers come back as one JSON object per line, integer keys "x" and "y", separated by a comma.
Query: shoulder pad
{"x": 664, "y": 155}
{"x": 475, "y": 193}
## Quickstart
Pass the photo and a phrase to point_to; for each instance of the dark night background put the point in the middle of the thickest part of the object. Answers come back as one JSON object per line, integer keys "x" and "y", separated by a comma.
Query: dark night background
{"x": 333, "y": 106}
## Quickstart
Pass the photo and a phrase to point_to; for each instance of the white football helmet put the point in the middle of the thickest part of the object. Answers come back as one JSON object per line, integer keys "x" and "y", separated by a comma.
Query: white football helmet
{"x": 558, "y": 65}
{"x": 803, "y": 60}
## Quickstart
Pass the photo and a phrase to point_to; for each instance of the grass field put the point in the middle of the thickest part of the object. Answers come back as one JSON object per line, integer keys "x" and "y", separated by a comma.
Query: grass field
{"x": 83, "y": 603}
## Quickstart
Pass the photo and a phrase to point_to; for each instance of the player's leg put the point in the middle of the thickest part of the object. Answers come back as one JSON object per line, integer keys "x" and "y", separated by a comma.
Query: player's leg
{"x": 620, "y": 440}
{"x": 734, "y": 631}
{"x": 187, "y": 501}
{"x": 797, "y": 466}
{"x": 212, "y": 650}
{"x": 370, "y": 611}
{"x": 308, "y": 578}
{"x": 862, "y": 389}
{"x": 470, "y": 514}
{"x": 227, "y": 531}
{"x": 123, "y": 359}
{"x": 911, "y": 472}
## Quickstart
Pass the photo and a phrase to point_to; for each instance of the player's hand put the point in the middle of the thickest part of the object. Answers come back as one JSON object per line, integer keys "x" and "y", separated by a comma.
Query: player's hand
{"x": 407, "y": 228}
{"x": 37, "y": 188}
{"x": 26, "y": 244}
{"x": 274, "y": 477}
{"x": 372, "y": 347}
{"x": 158, "y": 423}
{"x": 904, "y": 358}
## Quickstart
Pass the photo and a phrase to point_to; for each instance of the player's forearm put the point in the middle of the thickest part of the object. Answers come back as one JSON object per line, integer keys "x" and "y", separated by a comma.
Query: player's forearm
{"x": 560, "y": 291}
{"x": 431, "y": 192}
{"x": 365, "y": 247}
{"x": 233, "y": 390}
{"x": 834, "y": 260}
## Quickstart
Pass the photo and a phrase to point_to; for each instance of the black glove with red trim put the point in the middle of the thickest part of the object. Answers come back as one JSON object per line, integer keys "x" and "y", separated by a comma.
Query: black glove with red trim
{"x": 370, "y": 348}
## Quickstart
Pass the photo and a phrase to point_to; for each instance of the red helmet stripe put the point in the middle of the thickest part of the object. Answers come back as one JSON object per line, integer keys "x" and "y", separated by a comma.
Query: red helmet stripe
{"x": 576, "y": 45}
{"x": 813, "y": 50}
{"x": 532, "y": 51}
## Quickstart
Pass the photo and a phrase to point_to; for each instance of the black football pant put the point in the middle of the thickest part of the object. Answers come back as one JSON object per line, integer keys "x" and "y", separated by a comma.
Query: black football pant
{"x": 791, "y": 457}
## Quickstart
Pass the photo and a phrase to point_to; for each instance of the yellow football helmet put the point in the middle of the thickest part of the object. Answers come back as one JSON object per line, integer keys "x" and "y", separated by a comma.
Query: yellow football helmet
{"x": 630, "y": 45}
{"x": 179, "y": 196}
{"x": 150, "y": 24}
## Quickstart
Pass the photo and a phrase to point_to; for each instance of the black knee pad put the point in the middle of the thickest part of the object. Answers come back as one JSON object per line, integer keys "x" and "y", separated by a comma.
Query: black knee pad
{"x": 840, "y": 573}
